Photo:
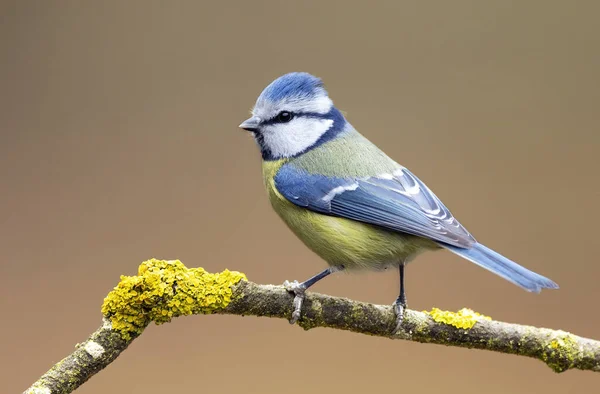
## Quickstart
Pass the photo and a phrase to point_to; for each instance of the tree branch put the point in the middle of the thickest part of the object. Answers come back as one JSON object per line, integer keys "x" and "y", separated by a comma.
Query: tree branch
{"x": 166, "y": 289}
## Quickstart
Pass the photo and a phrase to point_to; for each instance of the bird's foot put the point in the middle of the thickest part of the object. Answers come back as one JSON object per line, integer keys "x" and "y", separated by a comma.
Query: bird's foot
{"x": 399, "y": 308}
{"x": 299, "y": 290}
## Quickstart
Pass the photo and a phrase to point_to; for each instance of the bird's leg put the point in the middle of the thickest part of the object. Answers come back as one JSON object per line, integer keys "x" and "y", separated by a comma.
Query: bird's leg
{"x": 299, "y": 289}
{"x": 400, "y": 303}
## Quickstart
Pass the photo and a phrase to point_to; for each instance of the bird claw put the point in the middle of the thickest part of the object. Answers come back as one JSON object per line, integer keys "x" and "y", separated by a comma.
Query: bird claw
{"x": 299, "y": 290}
{"x": 399, "y": 308}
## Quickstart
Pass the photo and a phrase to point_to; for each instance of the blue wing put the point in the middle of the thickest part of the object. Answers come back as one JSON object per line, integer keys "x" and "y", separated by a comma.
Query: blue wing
{"x": 398, "y": 201}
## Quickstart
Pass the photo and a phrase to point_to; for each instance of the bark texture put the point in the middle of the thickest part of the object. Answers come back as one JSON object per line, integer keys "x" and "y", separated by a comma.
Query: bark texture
{"x": 166, "y": 289}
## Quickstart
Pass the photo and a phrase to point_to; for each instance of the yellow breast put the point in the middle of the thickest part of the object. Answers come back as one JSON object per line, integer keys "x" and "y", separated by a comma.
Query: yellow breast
{"x": 341, "y": 241}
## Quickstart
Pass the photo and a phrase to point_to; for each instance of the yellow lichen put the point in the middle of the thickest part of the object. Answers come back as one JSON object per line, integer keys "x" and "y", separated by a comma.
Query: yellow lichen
{"x": 464, "y": 318}
{"x": 165, "y": 289}
{"x": 563, "y": 350}
{"x": 564, "y": 340}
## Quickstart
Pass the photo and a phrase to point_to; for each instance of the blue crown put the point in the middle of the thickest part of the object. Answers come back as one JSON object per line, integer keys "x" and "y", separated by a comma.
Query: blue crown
{"x": 293, "y": 85}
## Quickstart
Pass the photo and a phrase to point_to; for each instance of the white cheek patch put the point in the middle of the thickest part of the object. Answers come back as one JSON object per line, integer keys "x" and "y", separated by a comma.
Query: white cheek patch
{"x": 289, "y": 139}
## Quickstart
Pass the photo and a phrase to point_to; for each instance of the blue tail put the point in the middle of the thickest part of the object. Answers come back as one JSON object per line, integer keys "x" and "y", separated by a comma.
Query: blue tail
{"x": 500, "y": 265}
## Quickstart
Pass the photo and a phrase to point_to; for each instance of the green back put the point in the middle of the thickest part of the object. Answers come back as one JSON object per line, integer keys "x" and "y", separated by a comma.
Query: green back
{"x": 349, "y": 155}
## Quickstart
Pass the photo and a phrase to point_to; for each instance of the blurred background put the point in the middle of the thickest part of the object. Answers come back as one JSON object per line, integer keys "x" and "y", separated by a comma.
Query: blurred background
{"x": 119, "y": 142}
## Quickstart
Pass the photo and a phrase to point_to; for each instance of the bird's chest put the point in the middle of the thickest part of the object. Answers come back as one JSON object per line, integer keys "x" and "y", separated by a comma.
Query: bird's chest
{"x": 297, "y": 218}
{"x": 337, "y": 240}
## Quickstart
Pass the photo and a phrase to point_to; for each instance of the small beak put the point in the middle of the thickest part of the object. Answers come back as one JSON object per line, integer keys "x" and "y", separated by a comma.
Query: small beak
{"x": 250, "y": 124}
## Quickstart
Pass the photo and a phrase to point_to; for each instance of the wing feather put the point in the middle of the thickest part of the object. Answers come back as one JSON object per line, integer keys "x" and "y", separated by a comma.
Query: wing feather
{"x": 398, "y": 202}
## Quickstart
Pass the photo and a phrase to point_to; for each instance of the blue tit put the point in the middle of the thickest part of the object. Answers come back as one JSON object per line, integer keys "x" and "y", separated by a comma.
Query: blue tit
{"x": 347, "y": 200}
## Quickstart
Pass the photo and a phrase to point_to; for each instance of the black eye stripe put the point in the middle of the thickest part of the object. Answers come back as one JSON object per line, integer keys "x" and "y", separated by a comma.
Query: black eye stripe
{"x": 338, "y": 126}
{"x": 310, "y": 115}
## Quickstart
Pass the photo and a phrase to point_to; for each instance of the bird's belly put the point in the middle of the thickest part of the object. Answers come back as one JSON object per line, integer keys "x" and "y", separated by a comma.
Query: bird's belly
{"x": 350, "y": 243}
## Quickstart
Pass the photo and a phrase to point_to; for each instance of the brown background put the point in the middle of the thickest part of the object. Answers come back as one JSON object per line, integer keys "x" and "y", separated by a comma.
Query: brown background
{"x": 119, "y": 142}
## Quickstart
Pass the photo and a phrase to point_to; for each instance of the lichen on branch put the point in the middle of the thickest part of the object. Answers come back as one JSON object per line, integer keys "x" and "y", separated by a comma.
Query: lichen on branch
{"x": 464, "y": 318}
{"x": 163, "y": 290}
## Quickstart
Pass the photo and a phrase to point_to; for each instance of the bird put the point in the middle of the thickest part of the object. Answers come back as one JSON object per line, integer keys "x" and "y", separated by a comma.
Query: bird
{"x": 349, "y": 202}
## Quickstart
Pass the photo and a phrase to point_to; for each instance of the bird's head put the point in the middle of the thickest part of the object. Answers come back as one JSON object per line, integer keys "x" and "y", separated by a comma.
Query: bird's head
{"x": 293, "y": 115}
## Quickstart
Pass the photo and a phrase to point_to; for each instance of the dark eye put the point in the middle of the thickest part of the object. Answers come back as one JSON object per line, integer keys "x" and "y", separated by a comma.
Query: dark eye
{"x": 285, "y": 117}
